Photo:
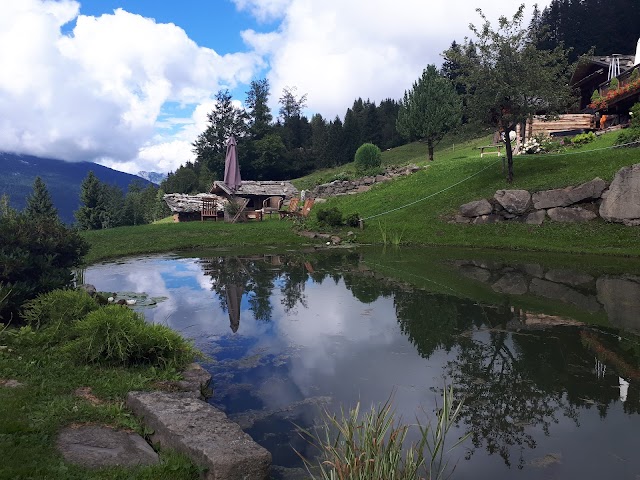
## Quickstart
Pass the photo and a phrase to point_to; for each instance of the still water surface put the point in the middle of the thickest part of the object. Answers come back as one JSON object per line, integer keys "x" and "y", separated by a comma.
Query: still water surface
{"x": 546, "y": 355}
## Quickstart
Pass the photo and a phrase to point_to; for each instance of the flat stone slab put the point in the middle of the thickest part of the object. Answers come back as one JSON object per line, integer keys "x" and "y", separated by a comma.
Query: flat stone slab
{"x": 202, "y": 432}
{"x": 96, "y": 446}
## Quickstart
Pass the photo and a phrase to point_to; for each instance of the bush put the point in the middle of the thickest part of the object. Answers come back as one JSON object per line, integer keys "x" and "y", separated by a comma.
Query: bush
{"x": 368, "y": 158}
{"x": 331, "y": 217}
{"x": 37, "y": 256}
{"x": 353, "y": 220}
{"x": 57, "y": 308}
{"x": 583, "y": 138}
{"x": 631, "y": 134}
{"x": 115, "y": 335}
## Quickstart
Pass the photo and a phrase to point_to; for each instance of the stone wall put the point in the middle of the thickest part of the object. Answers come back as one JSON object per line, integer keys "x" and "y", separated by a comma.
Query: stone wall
{"x": 619, "y": 202}
{"x": 349, "y": 187}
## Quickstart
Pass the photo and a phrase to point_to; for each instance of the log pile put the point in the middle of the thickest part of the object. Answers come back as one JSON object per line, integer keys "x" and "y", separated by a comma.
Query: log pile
{"x": 567, "y": 122}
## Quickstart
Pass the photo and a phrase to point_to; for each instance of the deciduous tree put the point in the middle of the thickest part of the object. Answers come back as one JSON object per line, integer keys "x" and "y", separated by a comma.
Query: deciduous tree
{"x": 511, "y": 79}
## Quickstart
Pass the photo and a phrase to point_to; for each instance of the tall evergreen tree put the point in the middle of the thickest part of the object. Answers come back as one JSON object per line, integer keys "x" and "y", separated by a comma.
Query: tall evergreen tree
{"x": 92, "y": 214}
{"x": 39, "y": 203}
{"x": 224, "y": 120}
{"x": 260, "y": 117}
{"x": 430, "y": 109}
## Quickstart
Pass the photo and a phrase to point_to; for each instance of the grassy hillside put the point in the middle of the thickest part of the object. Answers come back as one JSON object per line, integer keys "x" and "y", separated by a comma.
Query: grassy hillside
{"x": 427, "y": 221}
{"x": 456, "y": 176}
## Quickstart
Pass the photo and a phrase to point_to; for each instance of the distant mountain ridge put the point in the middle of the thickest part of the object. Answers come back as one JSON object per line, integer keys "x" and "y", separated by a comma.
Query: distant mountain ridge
{"x": 153, "y": 177}
{"x": 63, "y": 180}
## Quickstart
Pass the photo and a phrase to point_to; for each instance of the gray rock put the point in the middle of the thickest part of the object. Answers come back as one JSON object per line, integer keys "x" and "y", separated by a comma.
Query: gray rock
{"x": 570, "y": 214}
{"x": 94, "y": 446}
{"x": 621, "y": 299}
{"x": 622, "y": 203}
{"x": 551, "y": 198}
{"x": 202, "y": 432}
{"x": 534, "y": 270}
{"x": 462, "y": 219}
{"x": 11, "y": 383}
{"x": 587, "y": 191}
{"x": 535, "y": 218}
{"x": 484, "y": 219}
{"x": 512, "y": 284}
{"x": 563, "y": 293}
{"x": 476, "y": 208}
{"x": 514, "y": 201}
{"x": 87, "y": 287}
{"x": 568, "y": 276}
{"x": 196, "y": 380}
{"x": 475, "y": 273}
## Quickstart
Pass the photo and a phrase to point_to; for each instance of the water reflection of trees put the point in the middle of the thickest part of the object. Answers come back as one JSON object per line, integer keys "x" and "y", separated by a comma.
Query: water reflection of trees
{"x": 515, "y": 381}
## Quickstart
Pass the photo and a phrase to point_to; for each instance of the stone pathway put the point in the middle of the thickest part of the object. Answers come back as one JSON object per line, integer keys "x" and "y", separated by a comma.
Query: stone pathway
{"x": 95, "y": 446}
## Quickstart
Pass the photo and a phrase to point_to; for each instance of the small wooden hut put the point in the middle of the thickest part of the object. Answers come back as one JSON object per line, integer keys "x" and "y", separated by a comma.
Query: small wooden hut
{"x": 256, "y": 192}
{"x": 186, "y": 208}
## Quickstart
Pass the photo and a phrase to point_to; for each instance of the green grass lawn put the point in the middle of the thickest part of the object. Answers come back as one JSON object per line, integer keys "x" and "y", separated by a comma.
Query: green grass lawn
{"x": 31, "y": 415}
{"x": 456, "y": 176}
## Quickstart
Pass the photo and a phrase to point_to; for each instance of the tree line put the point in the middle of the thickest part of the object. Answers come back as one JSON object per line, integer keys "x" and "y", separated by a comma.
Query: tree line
{"x": 288, "y": 146}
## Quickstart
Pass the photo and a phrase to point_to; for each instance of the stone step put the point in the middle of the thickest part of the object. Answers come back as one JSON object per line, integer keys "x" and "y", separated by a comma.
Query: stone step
{"x": 202, "y": 432}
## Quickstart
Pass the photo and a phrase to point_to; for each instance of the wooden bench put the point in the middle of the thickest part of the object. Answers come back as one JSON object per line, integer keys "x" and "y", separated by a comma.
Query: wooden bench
{"x": 497, "y": 146}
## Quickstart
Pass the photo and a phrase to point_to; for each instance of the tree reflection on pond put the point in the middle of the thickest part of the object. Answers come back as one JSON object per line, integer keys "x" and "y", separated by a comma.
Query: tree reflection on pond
{"x": 533, "y": 350}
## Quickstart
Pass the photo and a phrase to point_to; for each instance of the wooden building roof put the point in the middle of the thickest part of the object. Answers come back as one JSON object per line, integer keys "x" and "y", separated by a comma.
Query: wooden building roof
{"x": 248, "y": 188}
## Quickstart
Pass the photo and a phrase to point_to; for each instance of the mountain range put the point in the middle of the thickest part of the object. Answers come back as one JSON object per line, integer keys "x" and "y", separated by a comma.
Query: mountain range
{"x": 153, "y": 177}
{"x": 63, "y": 180}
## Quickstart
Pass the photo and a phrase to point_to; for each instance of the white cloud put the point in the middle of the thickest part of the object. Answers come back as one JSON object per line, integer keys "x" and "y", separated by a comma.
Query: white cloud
{"x": 336, "y": 51}
{"x": 97, "y": 93}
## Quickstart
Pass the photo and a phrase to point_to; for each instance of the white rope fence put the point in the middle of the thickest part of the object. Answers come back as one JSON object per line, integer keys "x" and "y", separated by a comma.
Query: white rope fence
{"x": 487, "y": 167}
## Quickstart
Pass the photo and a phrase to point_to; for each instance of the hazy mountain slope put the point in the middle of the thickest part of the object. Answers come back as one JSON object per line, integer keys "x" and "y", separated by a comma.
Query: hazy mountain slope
{"x": 63, "y": 180}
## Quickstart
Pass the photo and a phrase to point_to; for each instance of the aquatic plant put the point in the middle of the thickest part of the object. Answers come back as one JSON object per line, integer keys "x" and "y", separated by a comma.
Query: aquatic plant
{"x": 352, "y": 447}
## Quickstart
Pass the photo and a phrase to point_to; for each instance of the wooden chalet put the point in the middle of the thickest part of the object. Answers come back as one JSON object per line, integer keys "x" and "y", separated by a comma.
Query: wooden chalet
{"x": 596, "y": 74}
{"x": 256, "y": 192}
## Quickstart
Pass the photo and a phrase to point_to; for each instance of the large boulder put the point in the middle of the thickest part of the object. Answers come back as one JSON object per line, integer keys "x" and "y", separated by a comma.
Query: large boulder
{"x": 514, "y": 201}
{"x": 570, "y": 214}
{"x": 587, "y": 191}
{"x": 621, "y": 299}
{"x": 476, "y": 208}
{"x": 551, "y": 198}
{"x": 622, "y": 202}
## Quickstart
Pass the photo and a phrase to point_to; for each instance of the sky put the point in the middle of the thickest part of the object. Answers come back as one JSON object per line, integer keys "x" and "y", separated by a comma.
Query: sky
{"x": 128, "y": 83}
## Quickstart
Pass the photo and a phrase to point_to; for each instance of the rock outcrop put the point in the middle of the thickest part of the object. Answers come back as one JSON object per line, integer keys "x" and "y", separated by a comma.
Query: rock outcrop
{"x": 347, "y": 187}
{"x": 571, "y": 204}
{"x": 622, "y": 201}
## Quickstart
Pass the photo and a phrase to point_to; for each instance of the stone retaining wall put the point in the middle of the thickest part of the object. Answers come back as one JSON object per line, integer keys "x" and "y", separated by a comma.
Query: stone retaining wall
{"x": 348, "y": 187}
{"x": 620, "y": 203}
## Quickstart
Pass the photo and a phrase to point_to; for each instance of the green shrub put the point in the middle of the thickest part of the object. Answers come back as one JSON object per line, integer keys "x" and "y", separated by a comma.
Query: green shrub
{"x": 368, "y": 158}
{"x": 635, "y": 75}
{"x": 37, "y": 256}
{"x": 631, "y": 134}
{"x": 331, "y": 217}
{"x": 595, "y": 96}
{"x": 116, "y": 335}
{"x": 352, "y": 220}
{"x": 614, "y": 84}
{"x": 57, "y": 308}
{"x": 583, "y": 138}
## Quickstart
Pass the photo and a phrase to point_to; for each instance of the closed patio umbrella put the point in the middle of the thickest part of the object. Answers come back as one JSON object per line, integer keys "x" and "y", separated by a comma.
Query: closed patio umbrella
{"x": 231, "y": 166}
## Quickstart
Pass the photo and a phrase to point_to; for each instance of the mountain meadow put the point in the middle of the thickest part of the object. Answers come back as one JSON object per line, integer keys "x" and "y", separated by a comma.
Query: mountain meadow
{"x": 417, "y": 209}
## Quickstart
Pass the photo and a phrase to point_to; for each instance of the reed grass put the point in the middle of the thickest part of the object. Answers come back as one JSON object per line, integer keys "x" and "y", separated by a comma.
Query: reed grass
{"x": 374, "y": 446}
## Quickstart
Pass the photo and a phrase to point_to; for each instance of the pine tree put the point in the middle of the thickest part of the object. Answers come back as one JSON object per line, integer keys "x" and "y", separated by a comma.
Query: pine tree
{"x": 92, "y": 214}
{"x": 430, "y": 109}
{"x": 39, "y": 203}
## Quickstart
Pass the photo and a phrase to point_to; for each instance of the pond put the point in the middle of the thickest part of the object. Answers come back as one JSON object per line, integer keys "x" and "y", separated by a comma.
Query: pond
{"x": 544, "y": 350}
